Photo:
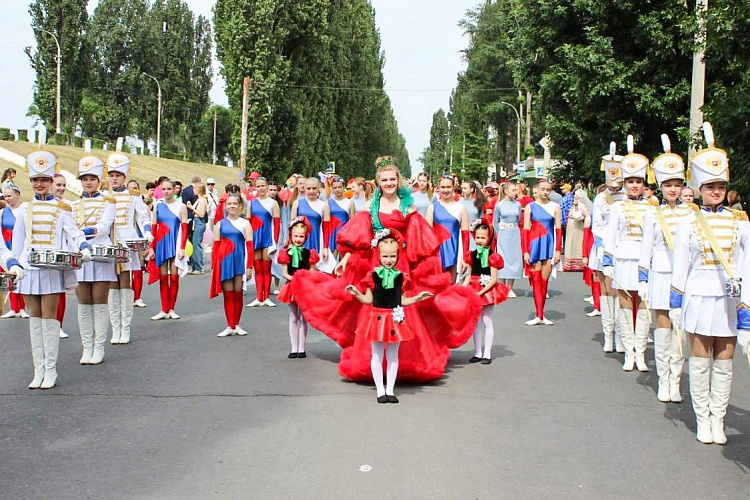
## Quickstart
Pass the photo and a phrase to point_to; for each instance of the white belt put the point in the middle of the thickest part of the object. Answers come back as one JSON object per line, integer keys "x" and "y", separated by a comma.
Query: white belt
{"x": 506, "y": 225}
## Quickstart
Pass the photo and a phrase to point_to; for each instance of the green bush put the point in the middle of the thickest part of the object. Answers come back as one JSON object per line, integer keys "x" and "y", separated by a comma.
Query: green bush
{"x": 97, "y": 144}
{"x": 5, "y": 134}
{"x": 23, "y": 135}
{"x": 77, "y": 141}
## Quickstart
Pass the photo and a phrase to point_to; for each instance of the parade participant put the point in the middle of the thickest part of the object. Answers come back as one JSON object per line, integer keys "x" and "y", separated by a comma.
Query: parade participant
{"x": 386, "y": 324}
{"x": 45, "y": 223}
{"x": 451, "y": 218}
{"x": 318, "y": 215}
{"x": 655, "y": 269}
{"x": 687, "y": 196}
{"x": 586, "y": 248}
{"x": 650, "y": 197}
{"x": 95, "y": 214}
{"x": 472, "y": 199}
{"x": 137, "y": 274}
{"x": 59, "y": 185}
{"x": 167, "y": 259}
{"x": 506, "y": 217}
{"x": 273, "y": 193}
{"x": 493, "y": 195}
{"x": 12, "y": 195}
{"x": 612, "y": 167}
{"x": 231, "y": 260}
{"x": 448, "y": 321}
{"x": 482, "y": 278}
{"x": 579, "y": 208}
{"x": 342, "y": 210}
{"x": 133, "y": 220}
{"x": 293, "y": 258}
{"x": 708, "y": 248}
{"x": 199, "y": 210}
{"x": 541, "y": 241}
{"x": 622, "y": 249}
{"x": 523, "y": 194}
{"x": 362, "y": 193}
{"x": 264, "y": 215}
{"x": 423, "y": 195}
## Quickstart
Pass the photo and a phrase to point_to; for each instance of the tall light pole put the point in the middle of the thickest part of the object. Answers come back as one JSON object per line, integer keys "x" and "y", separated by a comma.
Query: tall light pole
{"x": 158, "y": 115}
{"x": 699, "y": 72}
{"x": 59, "y": 62}
{"x": 518, "y": 131}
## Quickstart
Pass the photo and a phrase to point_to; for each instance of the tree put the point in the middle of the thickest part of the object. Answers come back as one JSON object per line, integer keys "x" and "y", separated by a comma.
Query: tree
{"x": 435, "y": 157}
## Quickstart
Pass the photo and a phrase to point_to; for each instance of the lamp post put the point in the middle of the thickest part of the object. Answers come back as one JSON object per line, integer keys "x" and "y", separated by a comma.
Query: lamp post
{"x": 158, "y": 115}
{"x": 699, "y": 73}
{"x": 59, "y": 62}
{"x": 518, "y": 131}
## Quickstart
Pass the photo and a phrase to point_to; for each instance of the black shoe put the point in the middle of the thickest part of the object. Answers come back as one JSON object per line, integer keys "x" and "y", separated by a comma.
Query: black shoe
{"x": 382, "y": 399}
{"x": 392, "y": 399}
{"x": 301, "y": 355}
{"x": 486, "y": 361}
{"x": 475, "y": 359}
{"x": 292, "y": 355}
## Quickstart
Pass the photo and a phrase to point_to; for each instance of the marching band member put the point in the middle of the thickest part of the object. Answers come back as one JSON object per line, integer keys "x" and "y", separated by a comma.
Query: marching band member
{"x": 95, "y": 214}
{"x": 167, "y": 259}
{"x": 622, "y": 249}
{"x": 132, "y": 215}
{"x": 137, "y": 278}
{"x": 612, "y": 166}
{"x": 655, "y": 269}
{"x": 59, "y": 186}
{"x": 708, "y": 248}
{"x": 12, "y": 195}
{"x": 266, "y": 223}
{"x": 44, "y": 224}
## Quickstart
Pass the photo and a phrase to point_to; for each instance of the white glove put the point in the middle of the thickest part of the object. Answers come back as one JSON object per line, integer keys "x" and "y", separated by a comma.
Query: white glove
{"x": 743, "y": 340}
{"x": 149, "y": 236}
{"x": 86, "y": 255}
{"x": 675, "y": 316}
{"x": 608, "y": 271}
{"x": 600, "y": 254}
{"x": 18, "y": 271}
{"x": 643, "y": 290}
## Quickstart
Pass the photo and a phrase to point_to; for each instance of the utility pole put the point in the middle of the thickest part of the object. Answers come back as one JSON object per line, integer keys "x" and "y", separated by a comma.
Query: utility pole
{"x": 518, "y": 131}
{"x": 528, "y": 119}
{"x": 59, "y": 63}
{"x": 243, "y": 140}
{"x": 214, "y": 153}
{"x": 699, "y": 73}
{"x": 158, "y": 115}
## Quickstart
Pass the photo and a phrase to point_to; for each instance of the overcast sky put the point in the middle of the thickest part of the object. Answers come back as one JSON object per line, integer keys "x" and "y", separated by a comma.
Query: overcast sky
{"x": 421, "y": 40}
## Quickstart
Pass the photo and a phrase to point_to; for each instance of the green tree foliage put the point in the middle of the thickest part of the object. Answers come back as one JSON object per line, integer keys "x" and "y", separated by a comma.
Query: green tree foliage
{"x": 317, "y": 93}
{"x": 435, "y": 157}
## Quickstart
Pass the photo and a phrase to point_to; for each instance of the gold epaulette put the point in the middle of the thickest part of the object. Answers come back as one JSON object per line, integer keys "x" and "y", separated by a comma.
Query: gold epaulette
{"x": 110, "y": 199}
{"x": 64, "y": 206}
{"x": 135, "y": 192}
{"x": 740, "y": 214}
{"x": 694, "y": 207}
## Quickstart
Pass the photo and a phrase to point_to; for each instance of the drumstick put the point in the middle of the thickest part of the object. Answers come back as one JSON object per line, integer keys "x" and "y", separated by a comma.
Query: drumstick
{"x": 678, "y": 332}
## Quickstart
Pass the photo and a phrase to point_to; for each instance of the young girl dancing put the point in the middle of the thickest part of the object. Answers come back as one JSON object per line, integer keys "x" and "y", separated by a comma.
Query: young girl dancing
{"x": 384, "y": 290}
{"x": 484, "y": 264}
{"x": 292, "y": 259}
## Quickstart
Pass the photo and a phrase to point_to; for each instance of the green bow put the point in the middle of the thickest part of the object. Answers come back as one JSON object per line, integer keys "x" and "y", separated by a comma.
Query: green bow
{"x": 296, "y": 253}
{"x": 484, "y": 255}
{"x": 387, "y": 275}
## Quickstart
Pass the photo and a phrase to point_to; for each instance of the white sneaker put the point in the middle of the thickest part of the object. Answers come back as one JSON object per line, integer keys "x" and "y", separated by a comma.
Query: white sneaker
{"x": 161, "y": 315}
{"x": 268, "y": 303}
{"x": 10, "y": 314}
{"x": 139, "y": 303}
{"x": 255, "y": 303}
{"x": 534, "y": 322}
{"x": 63, "y": 335}
{"x": 226, "y": 332}
{"x": 590, "y": 299}
{"x": 512, "y": 295}
{"x": 594, "y": 313}
{"x": 275, "y": 292}
{"x": 650, "y": 339}
{"x": 23, "y": 314}
{"x": 547, "y": 296}
{"x": 173, "y": 315}
{"x": 547, "y": 322}
{"x": 239, "y": 330}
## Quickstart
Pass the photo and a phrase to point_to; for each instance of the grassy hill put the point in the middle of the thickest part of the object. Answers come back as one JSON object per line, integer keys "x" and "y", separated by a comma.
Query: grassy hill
{"x": 143, "y": 168}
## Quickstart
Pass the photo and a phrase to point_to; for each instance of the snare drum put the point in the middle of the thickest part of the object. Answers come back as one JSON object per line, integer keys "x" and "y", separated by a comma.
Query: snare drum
{"x": 55, "y": 259}
{"x": 137, "y": 244}
{"x": 110, "y": 253}
{"x": 7, "y": 283}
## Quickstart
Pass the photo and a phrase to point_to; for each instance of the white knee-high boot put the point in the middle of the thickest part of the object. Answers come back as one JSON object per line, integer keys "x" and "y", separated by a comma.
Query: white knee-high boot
{"x": 126, "y": 306}
{"x": 662, "y": 345}
{"x": 721, "y": 385}
{"x": 642, "y": 325}
{"x": 51, "y": 337}
{"x": 627, "y": 335}
{"x": 608, "y": 322}
{"x": 376, "y": 367}
{"x": 700, "y": 375}
{"x": 101, "y": 331}
{"x": 37, "y": 351}
{"x": 86, "y": 329}
{"x": 676, "y": 361}
{"x": 619, "y": 346}
{"x": 115, "y": 314}
{"x": 392, "y": 372}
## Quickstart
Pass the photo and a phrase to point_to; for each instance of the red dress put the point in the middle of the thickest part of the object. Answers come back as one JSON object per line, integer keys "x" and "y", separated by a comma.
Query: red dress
{"x": 499, "y": 293}
{"x": 308, "y": 258}
{"x": 447, "y": 321}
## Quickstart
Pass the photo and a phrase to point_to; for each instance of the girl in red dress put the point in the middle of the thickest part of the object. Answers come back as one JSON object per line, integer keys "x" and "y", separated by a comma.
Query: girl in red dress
{"x": 484, "y": 263}
{"x": 385, "y": 290}
{"x": 293, "y": 258}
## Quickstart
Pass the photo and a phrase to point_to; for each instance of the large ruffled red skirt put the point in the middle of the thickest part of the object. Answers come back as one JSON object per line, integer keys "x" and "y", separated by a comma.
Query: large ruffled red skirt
{"x": 445, "y": 321}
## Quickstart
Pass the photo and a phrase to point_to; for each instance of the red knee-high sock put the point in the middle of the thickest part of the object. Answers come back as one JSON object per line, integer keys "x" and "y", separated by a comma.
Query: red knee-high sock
{"x": 635, "y": 311}
{"x": 237, "y": 307}
{"x": 260, "y": 270}
{"x": 21, "y": 302}
{"x": 267, "y": 279}
{"x": 164, "y": 292}
{"x": 174, "y": 287}
{"x": 61, "y": 303}
{"x": 596, "y": 291}
{"x": 15, "y": 306}
{"x": 229, "y": 307}
{"x": 543, "y": 295}
{"x": 538, "y": 291}
{"x": 137, "y": 284}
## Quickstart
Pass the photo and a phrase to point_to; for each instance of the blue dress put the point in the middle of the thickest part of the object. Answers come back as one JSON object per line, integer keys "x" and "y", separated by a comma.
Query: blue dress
{"x": 339, "y": 218}
{"x": 315, "y": 238}
{"x": 262, "y": 218}
{"x": 542, "y": 239}
{"x": 234, "y": 263}
{"x": 449, "y": 248}
{"x": 6, "y": 223}
{"x": 509, "y": 238}
{"x": 166, "y": 247}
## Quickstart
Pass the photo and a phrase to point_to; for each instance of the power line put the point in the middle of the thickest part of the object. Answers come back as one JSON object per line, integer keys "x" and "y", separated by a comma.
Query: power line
{"x": 376, "y": 89}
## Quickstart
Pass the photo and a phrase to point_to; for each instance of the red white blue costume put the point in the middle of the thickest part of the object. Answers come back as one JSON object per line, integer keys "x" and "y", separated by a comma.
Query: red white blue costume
{"x": 320, "y": 231}
{"x": 231, "y": 256}
{"x": 7, "y": 222}
{"x": 541, "y": 241}
{"x": 448, "y": 218}
{"x": 340, "y": 210}
{"x": 170, "y": 236}
{"x": 266, "y": 229}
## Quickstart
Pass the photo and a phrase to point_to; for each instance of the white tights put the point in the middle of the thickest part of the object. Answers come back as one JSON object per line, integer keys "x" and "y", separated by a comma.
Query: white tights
{"x": 489, "y": 333}
{"x": 376, "y": 366}
{"x": 297, "y": 328}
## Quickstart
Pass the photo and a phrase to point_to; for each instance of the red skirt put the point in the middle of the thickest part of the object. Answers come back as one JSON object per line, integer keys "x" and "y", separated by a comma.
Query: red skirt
{"x": 285, "y": 294}
{"x": 497, "y": 295}
{"x": 379, "y": 326}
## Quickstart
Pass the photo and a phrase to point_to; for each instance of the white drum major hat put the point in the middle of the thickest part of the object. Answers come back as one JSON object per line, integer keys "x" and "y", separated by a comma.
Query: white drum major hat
{"x": 612, "y": 167}
{"x": 634, "y": 164}
{"x": 668, "y": 165}
{"x": 710, "y": 164}
{"x": 90, "y": 164}
{"x": 119, "y": 161}
{"x": 42, "y": 163}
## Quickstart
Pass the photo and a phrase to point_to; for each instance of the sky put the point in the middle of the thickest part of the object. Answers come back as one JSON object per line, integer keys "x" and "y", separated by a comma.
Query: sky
{"x": 421, "y": 40}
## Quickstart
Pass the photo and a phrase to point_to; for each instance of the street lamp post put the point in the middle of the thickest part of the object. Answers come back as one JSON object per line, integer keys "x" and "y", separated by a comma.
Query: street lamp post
{"x": 59, "y": 62}
{"x": 518, "y": 131}
{"x": 158, "y": 115}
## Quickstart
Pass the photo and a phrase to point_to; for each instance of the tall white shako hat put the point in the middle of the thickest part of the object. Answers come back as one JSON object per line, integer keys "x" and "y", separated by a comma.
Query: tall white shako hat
{"x": 612, "y": 166}
{"x": 668, "y": 165}
{"x": 42, "y": 163}
{"x": 710, "y": 164}
{"x": 90, "y": 164}
{"x": 634, "y": 164}
{"x": 119, "y": 161}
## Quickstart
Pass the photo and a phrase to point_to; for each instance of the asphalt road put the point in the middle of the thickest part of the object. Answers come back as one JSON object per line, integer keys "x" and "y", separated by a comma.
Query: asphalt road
{"x": 182, "y": 414}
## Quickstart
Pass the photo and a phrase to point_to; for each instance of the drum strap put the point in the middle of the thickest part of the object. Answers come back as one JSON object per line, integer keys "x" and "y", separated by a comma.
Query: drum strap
{"x": 705, "y": 228}
{"x": 664, "y": 226}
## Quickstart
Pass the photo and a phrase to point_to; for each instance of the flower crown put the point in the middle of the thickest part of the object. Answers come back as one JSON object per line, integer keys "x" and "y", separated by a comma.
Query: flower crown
{"x": 379, "y": 236}
{"x": 474, "y": 225}
{"x": 385, "y": 162}
{"x": 298, "y": 220}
